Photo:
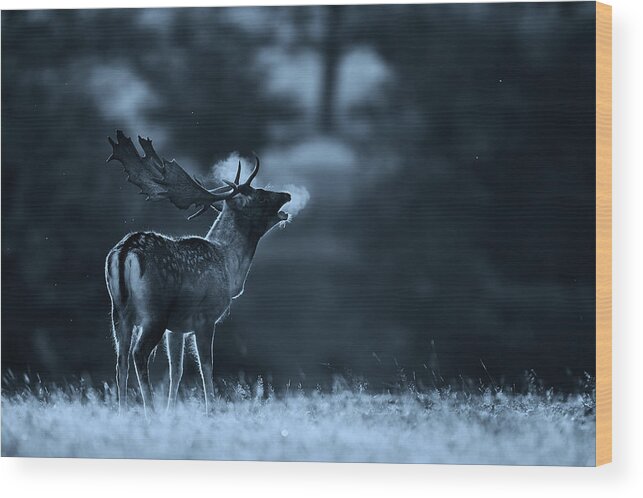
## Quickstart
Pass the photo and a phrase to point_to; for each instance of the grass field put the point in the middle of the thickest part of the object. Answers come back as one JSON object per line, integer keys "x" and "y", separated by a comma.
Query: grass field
{"x": 350, "y": 425}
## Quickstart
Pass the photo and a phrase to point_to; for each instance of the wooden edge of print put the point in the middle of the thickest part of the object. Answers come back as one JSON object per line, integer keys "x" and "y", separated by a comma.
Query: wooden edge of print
{"x": 603, "y": 233}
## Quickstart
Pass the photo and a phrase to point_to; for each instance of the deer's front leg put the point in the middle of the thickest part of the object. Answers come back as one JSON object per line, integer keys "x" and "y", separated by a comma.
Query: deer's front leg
{"x": 174, "y": 344}
{"x": 203, "y": 349}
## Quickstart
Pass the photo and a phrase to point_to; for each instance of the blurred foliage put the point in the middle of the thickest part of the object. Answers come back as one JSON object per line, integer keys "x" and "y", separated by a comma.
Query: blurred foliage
{"x": 452, "y": 203}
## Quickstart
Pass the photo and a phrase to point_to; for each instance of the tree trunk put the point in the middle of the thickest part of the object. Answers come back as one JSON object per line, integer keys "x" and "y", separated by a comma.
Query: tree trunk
{"x": 331, "y": 53}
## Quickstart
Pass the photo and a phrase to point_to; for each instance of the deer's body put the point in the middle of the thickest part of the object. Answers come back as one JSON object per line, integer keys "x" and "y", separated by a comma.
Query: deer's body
{"x": 181, "y": 282}
{"x": 183, "y": 286}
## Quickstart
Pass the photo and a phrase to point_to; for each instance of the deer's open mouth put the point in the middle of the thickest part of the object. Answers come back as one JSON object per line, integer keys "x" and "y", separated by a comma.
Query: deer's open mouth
{"x": 282, "y": 215}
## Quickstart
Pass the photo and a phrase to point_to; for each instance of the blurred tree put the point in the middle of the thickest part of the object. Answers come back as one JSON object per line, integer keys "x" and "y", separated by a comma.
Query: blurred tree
{"x": 331, "y": 54}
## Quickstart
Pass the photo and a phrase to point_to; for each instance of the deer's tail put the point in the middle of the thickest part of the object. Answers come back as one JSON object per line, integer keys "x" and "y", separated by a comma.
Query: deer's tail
{"x": 116, "y": 269}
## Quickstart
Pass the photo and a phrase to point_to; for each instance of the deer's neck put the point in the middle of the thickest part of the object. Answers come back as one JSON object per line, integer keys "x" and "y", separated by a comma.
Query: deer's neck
{"x": 238, "y": 241}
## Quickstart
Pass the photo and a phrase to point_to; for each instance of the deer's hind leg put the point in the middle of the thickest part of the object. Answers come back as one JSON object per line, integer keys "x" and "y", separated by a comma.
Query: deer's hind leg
{"x": 150, "y": 335}
{"x": 174, "y": 344}
{"x": 122, "y": 328}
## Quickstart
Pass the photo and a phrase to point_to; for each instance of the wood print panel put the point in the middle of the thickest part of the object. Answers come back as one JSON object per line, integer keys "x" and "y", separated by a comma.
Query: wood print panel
{"x": 603, "y": 233}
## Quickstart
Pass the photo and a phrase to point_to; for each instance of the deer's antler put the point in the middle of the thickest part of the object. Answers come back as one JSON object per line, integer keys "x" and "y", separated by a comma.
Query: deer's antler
{"x": 235, "y": 185}
{"x": 162, "y": 179}
{"x": 252, "y": 175}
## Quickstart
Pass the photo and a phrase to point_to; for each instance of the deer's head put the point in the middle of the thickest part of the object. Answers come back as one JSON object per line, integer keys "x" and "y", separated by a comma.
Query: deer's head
{"x": 257, "y": 208}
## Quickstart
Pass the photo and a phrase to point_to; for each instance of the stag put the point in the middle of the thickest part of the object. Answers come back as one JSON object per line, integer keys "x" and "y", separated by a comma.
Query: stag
{"x": 181, "y": 287}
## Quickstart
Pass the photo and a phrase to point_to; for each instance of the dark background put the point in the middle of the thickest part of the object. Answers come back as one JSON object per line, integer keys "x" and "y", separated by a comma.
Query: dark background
{"x": 448, "y": 151}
